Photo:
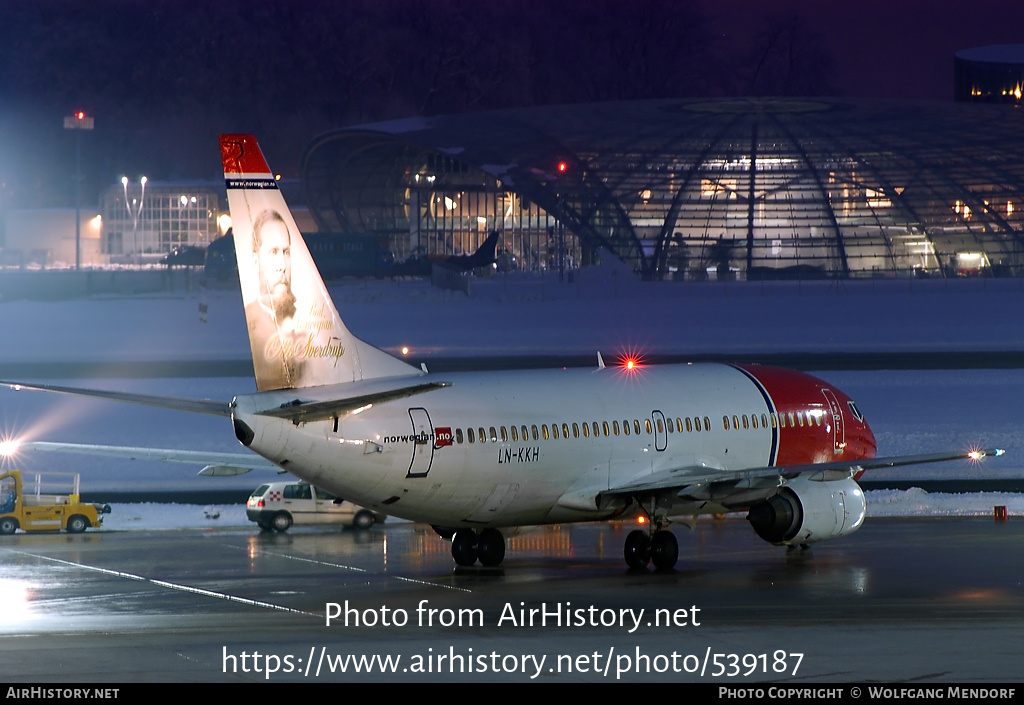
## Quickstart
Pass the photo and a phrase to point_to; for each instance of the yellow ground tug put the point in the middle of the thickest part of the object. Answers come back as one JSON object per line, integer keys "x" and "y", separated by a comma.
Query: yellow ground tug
{"x": 45, "y": 502}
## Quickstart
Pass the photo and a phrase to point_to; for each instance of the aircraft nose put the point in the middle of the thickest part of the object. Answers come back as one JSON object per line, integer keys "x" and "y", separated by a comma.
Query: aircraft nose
{"x": 868, "y": 446}
{"x": 861, "y": 442}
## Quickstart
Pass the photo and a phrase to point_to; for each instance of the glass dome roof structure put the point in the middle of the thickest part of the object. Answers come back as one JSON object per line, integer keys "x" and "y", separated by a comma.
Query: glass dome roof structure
{"x": 752, "y": 189}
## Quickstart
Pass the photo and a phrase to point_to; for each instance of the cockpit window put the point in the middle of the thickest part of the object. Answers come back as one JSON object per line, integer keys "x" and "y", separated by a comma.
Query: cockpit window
{"x": 856, "y": 412}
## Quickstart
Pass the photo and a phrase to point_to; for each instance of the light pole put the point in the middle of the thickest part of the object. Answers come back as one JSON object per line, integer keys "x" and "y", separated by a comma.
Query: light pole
{"x": 78, "y": 122}
{"x": 134, "y": 210}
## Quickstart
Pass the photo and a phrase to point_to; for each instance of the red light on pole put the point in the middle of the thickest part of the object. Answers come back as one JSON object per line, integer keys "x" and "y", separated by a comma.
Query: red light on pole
{"x": 78, "y": 121}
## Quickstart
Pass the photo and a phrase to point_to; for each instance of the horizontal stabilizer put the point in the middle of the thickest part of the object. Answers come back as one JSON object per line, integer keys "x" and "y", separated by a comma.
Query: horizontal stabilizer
{"x": 200, "y": 406}
{"x": 223, "y": 471}
{"x": 224, "y": 463}
{"x": 303, "y": 412}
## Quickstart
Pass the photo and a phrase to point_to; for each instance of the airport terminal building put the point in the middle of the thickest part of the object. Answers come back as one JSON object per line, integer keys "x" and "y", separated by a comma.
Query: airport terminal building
{"x": 699, "y": 189}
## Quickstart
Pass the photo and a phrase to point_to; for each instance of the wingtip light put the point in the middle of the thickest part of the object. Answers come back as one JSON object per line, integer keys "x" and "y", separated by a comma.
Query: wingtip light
{"x": 9, "y": 447}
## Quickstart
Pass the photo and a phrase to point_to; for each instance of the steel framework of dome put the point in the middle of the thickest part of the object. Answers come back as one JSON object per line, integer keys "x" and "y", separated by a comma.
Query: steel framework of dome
{"x": 691, "y": 189}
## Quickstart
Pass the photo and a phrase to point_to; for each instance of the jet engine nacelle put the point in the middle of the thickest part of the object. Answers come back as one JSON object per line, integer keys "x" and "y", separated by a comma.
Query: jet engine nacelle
{"x": 807, "y": 510}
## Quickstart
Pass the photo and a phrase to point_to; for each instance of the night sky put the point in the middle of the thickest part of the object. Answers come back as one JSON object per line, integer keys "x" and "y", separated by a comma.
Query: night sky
{"x": 163, "y": 77}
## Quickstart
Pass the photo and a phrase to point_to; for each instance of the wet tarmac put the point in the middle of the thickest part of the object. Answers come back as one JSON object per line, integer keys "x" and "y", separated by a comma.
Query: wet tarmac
{"x": 901, "y": 600}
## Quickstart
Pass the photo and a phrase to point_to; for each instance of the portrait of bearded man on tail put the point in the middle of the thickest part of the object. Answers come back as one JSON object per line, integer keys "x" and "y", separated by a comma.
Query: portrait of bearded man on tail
{"x": 272, "y": 314}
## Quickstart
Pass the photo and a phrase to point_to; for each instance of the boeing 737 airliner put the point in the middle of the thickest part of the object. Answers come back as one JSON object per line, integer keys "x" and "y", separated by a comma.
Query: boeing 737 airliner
{"x": 477, "y": 453}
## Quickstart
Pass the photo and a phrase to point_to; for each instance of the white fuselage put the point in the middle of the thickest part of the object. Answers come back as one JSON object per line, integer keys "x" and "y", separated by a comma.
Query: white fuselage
{"x": 491, "y": 449}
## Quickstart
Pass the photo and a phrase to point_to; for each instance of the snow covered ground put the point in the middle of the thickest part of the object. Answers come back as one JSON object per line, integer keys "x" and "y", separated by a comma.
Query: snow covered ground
{"x": 915, "y": 502}
{"x": 514, "y": 314}
{"x": 910, "y": 411}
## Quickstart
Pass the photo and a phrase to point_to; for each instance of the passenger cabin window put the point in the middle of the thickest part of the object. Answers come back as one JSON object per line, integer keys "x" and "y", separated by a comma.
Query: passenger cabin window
{"x": 689, "y": 425}
{"x": 536, "y": 435}
{"x": 458, "y": 436}
{"x": 565, "y": 430}
{"x": 605, "y": 424}
{"x": 696, "y": 423}
{"x": 526, "y": 434}
{"x": 725, "y": 422}
{"x": 469, "y": 435}
{"x": 483, "y": 435}
{"x": 636, "y": 426}
{"x": 494, "y": 435}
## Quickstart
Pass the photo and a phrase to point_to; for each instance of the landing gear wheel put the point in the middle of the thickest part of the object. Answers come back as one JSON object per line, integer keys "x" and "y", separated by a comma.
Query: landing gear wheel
{"x": 490, "y": 547}
{"x": 664, "y": 550}
{"x": 464, "y": 547}
{"x": 637, "y": 550}
{"x": 282, "y": 520}
{"x": 364, "y": 520}
{"x": 8, "y": 525}
{"x": 77, "y": 524}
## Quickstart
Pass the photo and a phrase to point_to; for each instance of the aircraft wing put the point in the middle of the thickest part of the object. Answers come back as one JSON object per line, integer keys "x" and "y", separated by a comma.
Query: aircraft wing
{"x": 202, "y": 406}
{"x": 214, "y": 464}
{"x": 709, "y": 483}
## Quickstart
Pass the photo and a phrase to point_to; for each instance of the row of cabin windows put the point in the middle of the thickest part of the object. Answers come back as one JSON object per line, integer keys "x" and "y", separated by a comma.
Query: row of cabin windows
{"x": 594, "y": 428}
{"x": 791, "y": 419}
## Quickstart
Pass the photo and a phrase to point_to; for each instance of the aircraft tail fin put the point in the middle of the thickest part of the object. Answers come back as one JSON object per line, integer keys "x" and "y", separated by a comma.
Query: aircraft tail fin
{"x": 297, "y": 336}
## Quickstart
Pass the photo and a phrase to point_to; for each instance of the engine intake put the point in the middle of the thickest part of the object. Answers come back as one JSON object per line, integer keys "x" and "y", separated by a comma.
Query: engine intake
{"x": 806, "y": 510}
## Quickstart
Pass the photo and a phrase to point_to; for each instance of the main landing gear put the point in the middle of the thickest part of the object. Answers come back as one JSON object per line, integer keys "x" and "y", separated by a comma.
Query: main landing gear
{"x": 657, "y": 547}
{"x": 652, "y": 545}
{"x": 488, "y": 547}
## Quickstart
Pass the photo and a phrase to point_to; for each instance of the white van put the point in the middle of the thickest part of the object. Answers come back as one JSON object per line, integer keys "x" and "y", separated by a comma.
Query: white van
{"x": 278, "y": 505}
